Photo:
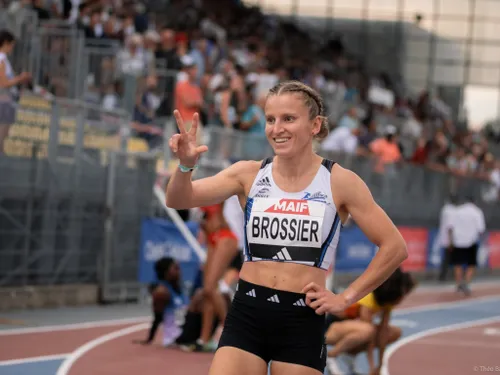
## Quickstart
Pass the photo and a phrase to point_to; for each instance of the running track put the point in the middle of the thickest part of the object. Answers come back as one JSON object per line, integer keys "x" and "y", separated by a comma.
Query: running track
{"x": 444, "y": 333}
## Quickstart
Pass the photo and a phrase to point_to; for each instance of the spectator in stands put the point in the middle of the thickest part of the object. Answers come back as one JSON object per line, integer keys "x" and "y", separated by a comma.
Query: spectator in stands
{"x": 41, "y": 11}
{"x": 341, "y": 139}
{"x": 367, "y": 135}
{"x": 151, "y": 40}
{"x": 9, "y": 81}
{"x": 128, "y": 27}
{"x": 111, "y": 28}
{"x": 350, "y": 119}
{"x": 439, "y": 151}
{"x": 253, "y": 119}
{"x": 421, "y": 152}
{"x": 188, "y": 95}
{"x": 386, "y": 149}
{"x": 202, "y": 55}
{"x": 132, "y": 60}
{"x": 95, "y": 29}
{"x": 144, "y": 113}
{"x": 166, "y": 54}
{"x": 112, "y": 98}
{"x": 457, "y": 161}
{"x": 225, "y": 108}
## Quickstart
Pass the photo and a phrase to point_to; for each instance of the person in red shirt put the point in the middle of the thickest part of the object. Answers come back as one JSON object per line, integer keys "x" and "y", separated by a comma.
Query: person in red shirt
{"x": 188, "y": 95}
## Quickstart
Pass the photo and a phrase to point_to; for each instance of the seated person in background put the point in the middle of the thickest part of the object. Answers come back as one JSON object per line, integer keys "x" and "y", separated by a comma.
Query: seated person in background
{"x": 168, "y": 302}
{"x": 355, "y": 331}
{"x": 193, "y": 322}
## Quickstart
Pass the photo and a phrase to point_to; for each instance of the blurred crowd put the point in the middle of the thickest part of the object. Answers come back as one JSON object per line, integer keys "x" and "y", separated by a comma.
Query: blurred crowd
{"x": 219, "y": 58}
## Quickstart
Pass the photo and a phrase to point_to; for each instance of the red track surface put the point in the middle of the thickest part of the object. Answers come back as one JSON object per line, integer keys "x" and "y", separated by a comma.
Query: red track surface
{"x": 422, "y": 299}
{"x": 119, "y": 356}
{"x": 50, "y": 343}
{"x": 461, "y": 352}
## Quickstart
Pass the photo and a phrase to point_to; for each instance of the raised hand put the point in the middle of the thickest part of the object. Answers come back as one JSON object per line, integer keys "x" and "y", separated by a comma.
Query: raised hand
{"x": 184, "y": 144}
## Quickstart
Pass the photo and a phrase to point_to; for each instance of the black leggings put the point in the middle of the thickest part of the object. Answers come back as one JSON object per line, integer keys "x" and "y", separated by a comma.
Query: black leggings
{"x": 158, "y": 318}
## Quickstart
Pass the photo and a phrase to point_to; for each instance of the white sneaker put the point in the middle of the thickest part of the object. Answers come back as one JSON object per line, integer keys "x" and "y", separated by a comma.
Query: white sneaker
{"x": 349, "y": 361}
{"x": 333, "y": 367}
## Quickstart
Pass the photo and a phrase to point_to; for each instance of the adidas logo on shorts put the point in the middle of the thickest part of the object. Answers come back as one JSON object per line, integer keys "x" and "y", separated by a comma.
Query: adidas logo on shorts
{"x": 300, "y": 302}
{"x": 251, "y": 293}
{"x": 274, "y": 299}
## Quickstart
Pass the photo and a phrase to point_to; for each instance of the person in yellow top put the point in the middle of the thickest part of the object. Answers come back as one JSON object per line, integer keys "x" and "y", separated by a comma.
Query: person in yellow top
{"x": 354, "y": 331}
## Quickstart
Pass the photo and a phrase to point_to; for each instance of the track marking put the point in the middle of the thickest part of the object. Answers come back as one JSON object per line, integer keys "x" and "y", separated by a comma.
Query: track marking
{"x": 416, "y": 336}
{"x": 448, "y": 343}
{"x": 74, "y": 326}
{"x": 140, "y": 319}
{"x": 22, "y": 361}
{"x": 445, "y": 305}
{"x": 82, "y": 350}
{"x": 491, "y": 331}
{"x": 433, "y": 289}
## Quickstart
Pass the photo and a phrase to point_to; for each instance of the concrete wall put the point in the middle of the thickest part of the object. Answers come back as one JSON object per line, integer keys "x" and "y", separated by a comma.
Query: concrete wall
{"x": 32, "y": 297}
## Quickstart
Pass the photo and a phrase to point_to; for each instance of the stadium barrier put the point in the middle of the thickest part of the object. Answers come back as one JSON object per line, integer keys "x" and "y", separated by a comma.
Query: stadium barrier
{"x": 160, "y": 237}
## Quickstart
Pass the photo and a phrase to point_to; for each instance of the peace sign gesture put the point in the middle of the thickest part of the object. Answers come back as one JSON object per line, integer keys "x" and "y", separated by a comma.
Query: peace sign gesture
{"x": 183, "y": 145}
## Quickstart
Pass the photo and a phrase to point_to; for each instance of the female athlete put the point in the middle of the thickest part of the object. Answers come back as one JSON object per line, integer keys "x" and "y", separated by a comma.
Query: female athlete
{"x": 294, "y": 204}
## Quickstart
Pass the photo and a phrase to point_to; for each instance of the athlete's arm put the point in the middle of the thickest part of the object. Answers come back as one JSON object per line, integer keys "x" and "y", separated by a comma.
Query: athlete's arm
{"x": 184, "y": 193}
{"x": 353, "y": 196}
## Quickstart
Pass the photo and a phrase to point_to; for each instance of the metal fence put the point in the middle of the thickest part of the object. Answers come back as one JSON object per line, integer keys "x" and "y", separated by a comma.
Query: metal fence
{"x": 57, "y": 205}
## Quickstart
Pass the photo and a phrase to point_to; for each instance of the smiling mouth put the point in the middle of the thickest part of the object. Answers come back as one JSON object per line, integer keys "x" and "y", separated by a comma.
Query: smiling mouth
{"x": 281, "y": 140}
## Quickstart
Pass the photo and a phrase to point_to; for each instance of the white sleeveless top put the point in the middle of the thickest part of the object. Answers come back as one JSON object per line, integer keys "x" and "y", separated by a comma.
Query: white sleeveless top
{"x": 302, "y": 227}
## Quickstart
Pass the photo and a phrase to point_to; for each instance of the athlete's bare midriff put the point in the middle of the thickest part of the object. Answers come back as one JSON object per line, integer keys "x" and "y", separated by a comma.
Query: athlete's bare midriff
{"x": 282, "y": 276}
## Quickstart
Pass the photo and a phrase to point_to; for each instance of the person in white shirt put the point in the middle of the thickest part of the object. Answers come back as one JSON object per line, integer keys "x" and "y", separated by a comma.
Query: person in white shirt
{"x": 443, "y": 248}
{"x": 465, "y": 229}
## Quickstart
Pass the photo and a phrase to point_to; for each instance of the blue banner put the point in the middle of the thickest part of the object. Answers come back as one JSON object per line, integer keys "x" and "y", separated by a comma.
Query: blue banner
{"x": 355, "y": 251}
{"x": 161, "y": 238}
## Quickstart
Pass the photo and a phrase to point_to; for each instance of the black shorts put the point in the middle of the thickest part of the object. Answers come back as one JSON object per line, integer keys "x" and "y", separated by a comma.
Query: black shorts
{"x": 464, "y": 255}
{"x": 275, "y": 325}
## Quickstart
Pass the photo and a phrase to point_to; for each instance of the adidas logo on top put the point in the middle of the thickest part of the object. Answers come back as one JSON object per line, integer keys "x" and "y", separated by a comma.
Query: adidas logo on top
{"x": 251, "y": 293}
{"x": 283, "y": 255}
{"x": 300, "y": 302}
{"x": 274, "y": 299}
{"x": 264, "y": 182}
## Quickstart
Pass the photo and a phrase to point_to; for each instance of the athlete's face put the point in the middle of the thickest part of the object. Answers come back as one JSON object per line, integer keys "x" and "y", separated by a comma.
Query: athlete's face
{"x": 289, "y": 128}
